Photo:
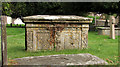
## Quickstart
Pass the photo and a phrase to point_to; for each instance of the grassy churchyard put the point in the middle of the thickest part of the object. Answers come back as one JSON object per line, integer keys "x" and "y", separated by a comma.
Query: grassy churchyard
{"x": 98, "y": 45}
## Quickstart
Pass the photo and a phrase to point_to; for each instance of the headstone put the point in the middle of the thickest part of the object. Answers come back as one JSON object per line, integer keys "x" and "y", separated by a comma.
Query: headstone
{"x": 112, "y": 28}
{"x": 106, "y": 31}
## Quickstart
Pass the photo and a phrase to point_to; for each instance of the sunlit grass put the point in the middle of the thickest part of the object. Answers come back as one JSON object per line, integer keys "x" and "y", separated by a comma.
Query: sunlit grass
{"x": 98, "y": 45}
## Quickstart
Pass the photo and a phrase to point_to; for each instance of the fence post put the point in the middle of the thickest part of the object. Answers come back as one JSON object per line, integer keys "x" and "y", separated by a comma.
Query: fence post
{"x": 3, "y": 40}
{"x": 112, "y": 28}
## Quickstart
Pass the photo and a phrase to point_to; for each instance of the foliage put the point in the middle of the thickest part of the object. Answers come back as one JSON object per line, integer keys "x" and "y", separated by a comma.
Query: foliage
{"x": 105, "y": 7}
{"x": 97, "y": 17}
{"x": 32, "y": 8}
{"x": 77, "y": 8}
{"x": 17, "y": 9}
{"x": 6, "y": 9}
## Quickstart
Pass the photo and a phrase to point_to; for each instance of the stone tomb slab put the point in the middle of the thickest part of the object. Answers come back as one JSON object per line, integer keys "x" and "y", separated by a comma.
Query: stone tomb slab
{"x": 106, "y": 31}
{"x": 49, "y": 32}
{"x": 63, "y": 59}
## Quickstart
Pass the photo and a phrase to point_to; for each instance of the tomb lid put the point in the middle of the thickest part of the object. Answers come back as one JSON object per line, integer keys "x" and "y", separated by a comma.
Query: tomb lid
{"x": 57, "y": 18}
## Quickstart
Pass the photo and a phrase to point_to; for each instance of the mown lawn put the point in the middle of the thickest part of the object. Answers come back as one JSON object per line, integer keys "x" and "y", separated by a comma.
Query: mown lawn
{"x": 98, "y": 45}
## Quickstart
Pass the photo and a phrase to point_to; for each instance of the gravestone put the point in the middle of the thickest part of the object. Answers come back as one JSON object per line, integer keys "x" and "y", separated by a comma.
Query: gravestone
{"x": 63, "y": 59}
{"x": 48, "y": 32}
{"x": 112, "y": 27}
{"x": 106, "y": 31}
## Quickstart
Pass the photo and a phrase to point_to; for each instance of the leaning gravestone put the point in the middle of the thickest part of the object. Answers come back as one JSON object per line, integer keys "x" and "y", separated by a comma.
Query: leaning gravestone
{"x": 69, "y": 59}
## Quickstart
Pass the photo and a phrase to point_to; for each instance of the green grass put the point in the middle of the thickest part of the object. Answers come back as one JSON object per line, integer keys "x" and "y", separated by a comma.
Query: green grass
{"x": 98, "y": 45}
{"x": 14, "y": 25}
{"x": 15, "y": 31}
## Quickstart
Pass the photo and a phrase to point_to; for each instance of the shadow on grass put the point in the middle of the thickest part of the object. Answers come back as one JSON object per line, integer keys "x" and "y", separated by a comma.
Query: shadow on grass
{"x": 16, "y": 49}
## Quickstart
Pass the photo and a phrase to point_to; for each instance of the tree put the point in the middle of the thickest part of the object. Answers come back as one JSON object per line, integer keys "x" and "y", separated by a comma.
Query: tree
{"x": 100, "y": 7}
{"x": 106, "y": 7}
{"x": 31, "y": 8}
{"x": 16, "y": 9}
{"x": 6, "y": 10}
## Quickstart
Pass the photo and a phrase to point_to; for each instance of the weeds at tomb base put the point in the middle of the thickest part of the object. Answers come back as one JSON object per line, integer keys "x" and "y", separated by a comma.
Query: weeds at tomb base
{"x": 98, "y": 45}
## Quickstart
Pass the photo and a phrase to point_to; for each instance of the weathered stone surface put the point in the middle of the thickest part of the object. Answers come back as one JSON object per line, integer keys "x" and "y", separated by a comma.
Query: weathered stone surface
{"x": 72, "y": 34}
{"x": 112, "y": 27}
{"x": 69, "y": 59}
{"x": 69, "y": 38}
{"x": 106, "y": 31}
{"x": 57, "y": 18}
{"x": 101, "y": 22}
{"x": 38, "y": 39}
{"x": 48, "y": 37}
{"x": 84, "y": 36}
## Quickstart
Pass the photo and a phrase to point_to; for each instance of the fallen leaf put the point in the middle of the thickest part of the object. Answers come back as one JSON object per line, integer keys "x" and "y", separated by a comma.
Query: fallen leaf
{"x": 110, "y": 61}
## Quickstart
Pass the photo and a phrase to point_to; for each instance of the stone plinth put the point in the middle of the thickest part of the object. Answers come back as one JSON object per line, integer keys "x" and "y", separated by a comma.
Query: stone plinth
{"x": 106, "y": 31}
{"x": 48, "y": 32}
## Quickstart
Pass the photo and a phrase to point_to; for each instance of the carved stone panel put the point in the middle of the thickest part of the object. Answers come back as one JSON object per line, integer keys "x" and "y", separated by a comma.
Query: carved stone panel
{"x": 29, "y": 40}
{"x": 69, "y": 38}
{"x": 43, "y": 41}
{"x": 57, "y": 36}
{"x": 38, "y": 39}
{"x": 84, "y": 38}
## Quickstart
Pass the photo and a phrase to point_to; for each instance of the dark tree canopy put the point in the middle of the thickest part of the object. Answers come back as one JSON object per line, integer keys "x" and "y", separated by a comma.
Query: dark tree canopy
{"x": 100, "y": 7}
{"x": 16, "y": 9}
